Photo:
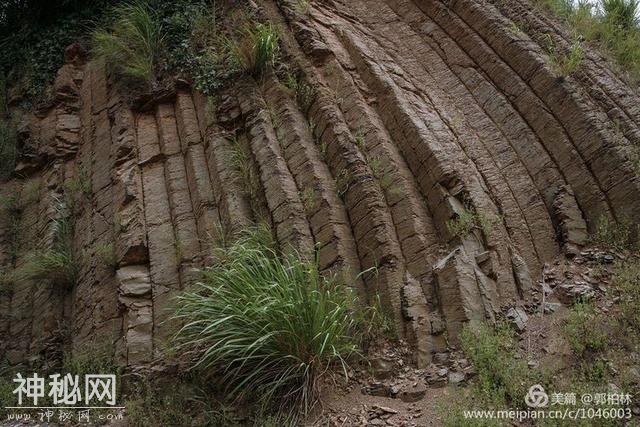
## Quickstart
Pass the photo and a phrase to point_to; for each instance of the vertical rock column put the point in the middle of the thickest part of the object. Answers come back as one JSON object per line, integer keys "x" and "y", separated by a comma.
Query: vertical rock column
{"x": 163, "y": 257}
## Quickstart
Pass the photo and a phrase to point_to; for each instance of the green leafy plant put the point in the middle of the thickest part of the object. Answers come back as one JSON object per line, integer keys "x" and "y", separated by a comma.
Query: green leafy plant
{"x": 569, "y": 64}
{"x": 618, "y": 235}
{"x": 613, "y": 28}
{"x": 59, "y": 264}
{"x": 268, "y": 326}
{"x": 106, "y": 253}
{"x": 502, "y": 377}
{"x": 623, "y": 13}
{"x": 584, "y": 329}
{"x": 257, "y": 49}
{"x": 627, "y": 281}
{"x": 133, "y": 43}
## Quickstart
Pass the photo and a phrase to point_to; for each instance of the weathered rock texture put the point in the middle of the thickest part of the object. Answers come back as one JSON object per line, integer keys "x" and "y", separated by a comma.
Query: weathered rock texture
{"x": 408, "y": 114}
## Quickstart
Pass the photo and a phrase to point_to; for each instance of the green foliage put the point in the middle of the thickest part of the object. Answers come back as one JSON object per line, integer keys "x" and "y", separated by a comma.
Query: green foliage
{"x": 132, "y": 44}
{"x": 59, "y": 264}
{"x": 618, "y": 235}
{"x": 502, "y": 377}
{"x": 33, "y": 38}
{"x": 623, "y": 13}
{"x": 80, "y": 183}
{"x": 381, "y": 171}
{"x": 566, "y": 65}
{"x": 94, "y": 359}
{"x": 627, "y": 281}
{"x": 310, "y": 200}
{"x": 584, "y": 329}
{"x": 376, "y": 322}
{"x": 267, "y": 326}
{"x": 7, "y": 398}
{"x": 169, "y": 405}
{"x": 613, "y": 28}
{"x": 257, "y": 49}
{"x": 467, "y": 220}
{"x": 248, "y": 176}
{"x": 195, "y": 46}
{"x": 8, "y": 150}
{"x": 106, "y": 253}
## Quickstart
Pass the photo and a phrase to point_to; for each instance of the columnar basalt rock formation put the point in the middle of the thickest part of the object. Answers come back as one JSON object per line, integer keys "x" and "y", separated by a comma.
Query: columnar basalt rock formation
{"x": 409, "y": 115}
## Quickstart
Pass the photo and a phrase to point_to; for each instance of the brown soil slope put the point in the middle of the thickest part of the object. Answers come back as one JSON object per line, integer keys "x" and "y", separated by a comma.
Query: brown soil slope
{"x": 409, "y": 114}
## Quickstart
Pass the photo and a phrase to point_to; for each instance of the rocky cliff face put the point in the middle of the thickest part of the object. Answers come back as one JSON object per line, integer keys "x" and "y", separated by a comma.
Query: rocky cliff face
{"x": 424, "y": 142}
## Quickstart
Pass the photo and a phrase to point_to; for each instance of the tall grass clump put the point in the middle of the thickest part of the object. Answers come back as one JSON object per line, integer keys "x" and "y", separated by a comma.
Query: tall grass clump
{"x": 133, "y": 43}
{"x": 584, "y": 329}
{"x": 8, "y": 150}
{"x": 58, "y": 264}
{"x": 257, "y": 49}
{"x": 266, "y": 325}
{"x": 610, "y": 25}
{"x": 623, "y": 13}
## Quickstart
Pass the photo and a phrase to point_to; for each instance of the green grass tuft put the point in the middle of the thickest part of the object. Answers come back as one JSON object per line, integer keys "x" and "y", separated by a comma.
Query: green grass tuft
{"x": 610, "y": 25}
{"x": 616, "y": 235}
{"x": 58, "y": 264}
{"x": 627, "y": 281}
{"x": 132, "y": 44}
{"x": 268, "y": 326}
{"x": 624, "y": 13}
{"x": 584, "y": 329}
{"x": 257, "y": 49}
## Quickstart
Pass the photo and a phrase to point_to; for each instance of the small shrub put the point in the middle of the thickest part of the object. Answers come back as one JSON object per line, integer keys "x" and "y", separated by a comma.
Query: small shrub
{"x": 257, "y": 49}
{"x": 502, "y": 377}
{"x": 613, "y": 28}
{"x": 614, "y": 235}
{"x": 8, "y": 150}
{"x": 79, "y": 184}
{"x": 584, "y": 329}
{"x": 132, "y": 44}
{"x": 627, "y": 281}
{"x": 106, "y": 253}
{"x": 467, "y": 220}
{"x": 267, "y": 326}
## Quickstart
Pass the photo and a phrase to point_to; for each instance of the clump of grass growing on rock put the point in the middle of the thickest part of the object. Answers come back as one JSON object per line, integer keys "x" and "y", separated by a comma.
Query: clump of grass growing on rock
{"x": 257, "y": 49}
{"x": 132, "y": 44}
{"x": 58, "y": 264}
{"x": 566, "y": 65}
{"x": 267, "y": 325}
